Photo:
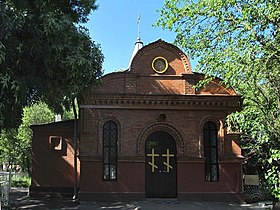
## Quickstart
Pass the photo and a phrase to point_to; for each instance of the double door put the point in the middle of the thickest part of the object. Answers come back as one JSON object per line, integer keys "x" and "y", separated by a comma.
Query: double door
{"x": 161, "y": 166}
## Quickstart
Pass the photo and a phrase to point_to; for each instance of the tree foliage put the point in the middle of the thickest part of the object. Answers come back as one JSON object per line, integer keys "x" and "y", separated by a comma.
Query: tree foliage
{"x": 38, "y": 113}
{"x": 45, "y": 54}
{"x": 9, "y": 148}
{"x": 15, "y": 144}
{"x": 238, "y": 41}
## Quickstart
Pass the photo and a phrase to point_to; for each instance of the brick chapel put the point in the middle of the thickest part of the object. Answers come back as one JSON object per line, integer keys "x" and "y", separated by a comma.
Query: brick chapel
{"x": 146, "y": 132}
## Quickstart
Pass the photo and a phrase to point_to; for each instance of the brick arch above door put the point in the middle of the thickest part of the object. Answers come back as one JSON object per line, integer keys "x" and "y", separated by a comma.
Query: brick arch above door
{"x": 159, "y": 127}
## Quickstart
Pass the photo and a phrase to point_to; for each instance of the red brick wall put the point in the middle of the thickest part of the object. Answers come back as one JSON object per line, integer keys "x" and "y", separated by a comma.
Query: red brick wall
{"x": 191, "y": 178}
{"x": 190, "y": 175}
{"x": 53, "y": 168}
{"x": 112, "y": 83}
{"x": 134, "y": 122}
{"x": 131, "y": 177}
{"x": 161, "y": 85}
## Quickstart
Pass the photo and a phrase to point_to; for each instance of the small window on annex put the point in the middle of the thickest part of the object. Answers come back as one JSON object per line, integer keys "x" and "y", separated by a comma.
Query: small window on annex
{"x": 211, "y": 152}
{"x": 110, "y": 151}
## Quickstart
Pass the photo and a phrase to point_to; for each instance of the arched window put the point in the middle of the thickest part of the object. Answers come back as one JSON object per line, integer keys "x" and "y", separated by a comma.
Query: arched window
{"x": 110, "y": 151}
{"x": 211, "y": 152}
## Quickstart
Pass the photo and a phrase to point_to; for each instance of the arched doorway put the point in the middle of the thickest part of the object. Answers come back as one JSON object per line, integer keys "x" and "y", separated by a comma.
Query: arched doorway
{"x": 161, "y": 165}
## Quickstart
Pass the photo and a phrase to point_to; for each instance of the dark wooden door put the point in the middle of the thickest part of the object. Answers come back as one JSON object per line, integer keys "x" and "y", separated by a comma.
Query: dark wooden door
{"x": 161, "y": 166}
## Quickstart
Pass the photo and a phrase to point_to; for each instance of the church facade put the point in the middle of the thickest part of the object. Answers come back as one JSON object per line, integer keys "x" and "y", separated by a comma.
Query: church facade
{"x": 147, "y": 133}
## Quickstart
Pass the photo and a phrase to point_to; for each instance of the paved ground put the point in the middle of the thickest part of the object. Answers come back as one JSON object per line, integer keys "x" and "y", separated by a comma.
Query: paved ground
{"x": 21, "y": 200}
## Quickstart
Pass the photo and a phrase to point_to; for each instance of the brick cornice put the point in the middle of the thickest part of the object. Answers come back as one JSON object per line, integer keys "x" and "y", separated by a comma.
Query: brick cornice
{"x": 127, "y": 101}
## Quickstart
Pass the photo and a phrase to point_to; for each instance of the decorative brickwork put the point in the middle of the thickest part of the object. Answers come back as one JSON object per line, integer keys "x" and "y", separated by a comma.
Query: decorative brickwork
{"x": 166, "y": 101}
{"x": 159, "y": 127}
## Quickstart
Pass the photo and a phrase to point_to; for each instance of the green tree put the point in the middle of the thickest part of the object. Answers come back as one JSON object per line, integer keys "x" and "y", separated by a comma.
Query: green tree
{"x": 45, "y": 54}
{"x": 38, "y": 113}
{"x": 15, "y": 144}
{"x": 9, "y": 148}
{"x": 238, "y": 41}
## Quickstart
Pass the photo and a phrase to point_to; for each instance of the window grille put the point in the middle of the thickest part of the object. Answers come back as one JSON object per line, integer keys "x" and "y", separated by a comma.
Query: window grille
{"x": 110, "y": 151}
{"x": 211, "y": 152}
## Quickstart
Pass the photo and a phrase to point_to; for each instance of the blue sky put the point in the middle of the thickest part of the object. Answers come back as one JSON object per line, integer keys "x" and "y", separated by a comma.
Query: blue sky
{"x": 114, "y": 27}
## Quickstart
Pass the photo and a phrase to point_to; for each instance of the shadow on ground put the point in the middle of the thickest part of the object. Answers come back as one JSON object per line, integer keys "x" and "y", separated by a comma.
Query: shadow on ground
{"x": 21, "y": 200}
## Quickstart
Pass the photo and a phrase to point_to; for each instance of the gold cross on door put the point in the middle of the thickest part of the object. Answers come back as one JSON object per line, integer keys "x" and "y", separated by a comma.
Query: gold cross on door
{"x": 167, "y": 163}
{"x": 153, "y": 155}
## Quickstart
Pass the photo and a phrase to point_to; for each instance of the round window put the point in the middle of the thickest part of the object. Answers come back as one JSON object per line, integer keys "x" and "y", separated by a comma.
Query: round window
{"x": 160, "y": 65}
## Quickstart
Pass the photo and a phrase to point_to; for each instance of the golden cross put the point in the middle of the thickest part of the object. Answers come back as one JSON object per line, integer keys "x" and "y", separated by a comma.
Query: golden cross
{"x": 167, "y": 163}
{"x": 153, "y": 155}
